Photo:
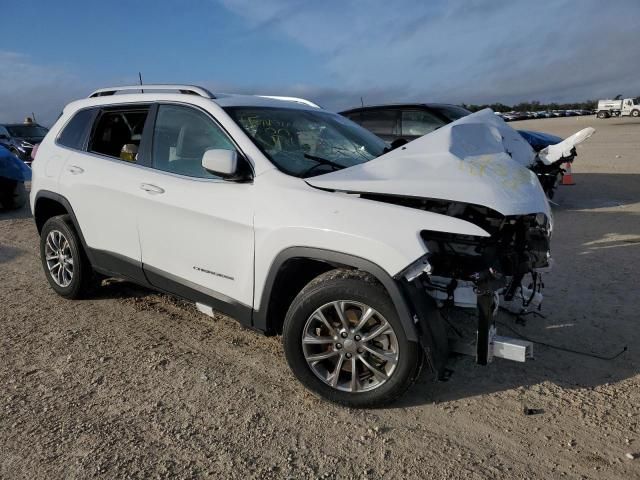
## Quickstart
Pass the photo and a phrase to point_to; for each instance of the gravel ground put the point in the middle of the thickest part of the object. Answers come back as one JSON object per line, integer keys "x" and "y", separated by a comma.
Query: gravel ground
{"x": 132, "y": 384}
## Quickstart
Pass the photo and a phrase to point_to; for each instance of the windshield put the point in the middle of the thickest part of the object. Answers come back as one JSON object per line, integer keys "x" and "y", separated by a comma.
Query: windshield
{"x": 306, "y": 143}
{"x": 27, "y": 131}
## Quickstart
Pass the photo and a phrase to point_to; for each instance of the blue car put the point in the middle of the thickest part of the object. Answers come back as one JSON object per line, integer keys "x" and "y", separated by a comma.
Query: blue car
{"x": 13, "y": 174}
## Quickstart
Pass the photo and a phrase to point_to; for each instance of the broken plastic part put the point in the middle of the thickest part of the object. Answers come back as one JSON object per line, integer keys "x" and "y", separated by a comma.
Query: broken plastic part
{"x": 553, "y": 153}
{"x": 417, "y": 268}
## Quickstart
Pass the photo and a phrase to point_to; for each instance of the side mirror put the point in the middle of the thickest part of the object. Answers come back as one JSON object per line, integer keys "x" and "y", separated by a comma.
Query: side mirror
{"x": 223, "y": 163}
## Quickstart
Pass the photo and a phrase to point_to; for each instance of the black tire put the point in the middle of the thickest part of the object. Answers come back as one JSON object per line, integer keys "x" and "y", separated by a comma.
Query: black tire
{"x": 602, "y": 114}
{"x": 82, "y": 278}
{"x": 349, "y": 286}
{"x": 635, "y": 113}
{"x": 13, "y": 194}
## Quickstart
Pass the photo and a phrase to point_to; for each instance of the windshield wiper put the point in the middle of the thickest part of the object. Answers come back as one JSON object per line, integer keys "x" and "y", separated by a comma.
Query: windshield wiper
{"x": 323, "y": 161}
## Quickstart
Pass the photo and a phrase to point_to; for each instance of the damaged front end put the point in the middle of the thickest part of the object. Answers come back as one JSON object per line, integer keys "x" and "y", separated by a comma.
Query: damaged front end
{"x": 476, "y": 170}
{"x": 482, "y": 273}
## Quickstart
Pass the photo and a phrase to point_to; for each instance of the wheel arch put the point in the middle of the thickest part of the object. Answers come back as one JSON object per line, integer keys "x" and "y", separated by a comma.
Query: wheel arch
{"x": 294, "y": 267}
{"x": 49, "y": 204}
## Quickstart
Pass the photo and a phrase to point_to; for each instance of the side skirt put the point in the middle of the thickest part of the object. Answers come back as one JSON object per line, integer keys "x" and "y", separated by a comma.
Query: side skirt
{"x": 115, "y": 265}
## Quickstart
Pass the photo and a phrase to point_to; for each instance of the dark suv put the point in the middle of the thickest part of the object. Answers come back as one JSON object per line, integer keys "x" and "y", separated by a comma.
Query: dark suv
{"x": 401, "y": 123}
{"x": 405, "y": 121}
{"x": 20, "y": 138}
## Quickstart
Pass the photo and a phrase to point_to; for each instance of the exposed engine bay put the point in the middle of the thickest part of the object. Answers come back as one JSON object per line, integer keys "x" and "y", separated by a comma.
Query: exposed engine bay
{"x": 484, "y": 273}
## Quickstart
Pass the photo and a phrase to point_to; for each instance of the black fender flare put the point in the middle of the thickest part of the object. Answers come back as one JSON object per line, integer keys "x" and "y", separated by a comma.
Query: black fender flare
{"x": 339, "y": 259}
{"x": 65, "y": 203}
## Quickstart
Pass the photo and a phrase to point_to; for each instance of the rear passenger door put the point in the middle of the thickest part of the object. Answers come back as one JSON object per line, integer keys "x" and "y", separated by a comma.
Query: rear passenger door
{"x": 101, "y": 178}
{"x": 196, "y": 229}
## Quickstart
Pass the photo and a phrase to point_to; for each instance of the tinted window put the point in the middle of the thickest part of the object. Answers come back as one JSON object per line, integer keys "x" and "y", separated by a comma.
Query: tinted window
{"x": 381, "y": 122}
{"x": 305, "y": 143}
{"x": 180, "y": 138}
{"x": 117, "y": 133}
{"x": 451, "y": 112}
{"x": 72, "y": 134}
{"x": 27, "y": 131}
{"x": 416, "y": 123}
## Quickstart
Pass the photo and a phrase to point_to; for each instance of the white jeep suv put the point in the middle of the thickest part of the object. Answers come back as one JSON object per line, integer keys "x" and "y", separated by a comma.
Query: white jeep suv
{"x": 296, "y": 221}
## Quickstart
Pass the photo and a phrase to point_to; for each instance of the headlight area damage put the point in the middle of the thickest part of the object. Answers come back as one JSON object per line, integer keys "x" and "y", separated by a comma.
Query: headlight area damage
{"x": 483, "y": 273}
{"x": 476, "y": 169}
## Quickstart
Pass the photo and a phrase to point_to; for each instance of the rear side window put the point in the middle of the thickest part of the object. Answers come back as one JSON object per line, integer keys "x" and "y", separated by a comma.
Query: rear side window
{"x": 380, "y": 122}
{"x": 117, "y": 133}
{"x": 416, "y": 123}
{"x": 73, "y": 133}
{"x": 180, "y": 138}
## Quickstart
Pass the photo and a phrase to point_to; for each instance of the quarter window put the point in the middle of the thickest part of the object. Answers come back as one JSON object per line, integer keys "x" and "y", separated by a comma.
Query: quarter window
{"x": 73, "y": 134}
{"x": 118, "y": 133}
{"x": 180, "y": 138}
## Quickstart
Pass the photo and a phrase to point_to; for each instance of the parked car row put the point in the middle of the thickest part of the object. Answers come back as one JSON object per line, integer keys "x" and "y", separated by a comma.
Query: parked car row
{"x": 298, "y": 221}
{"x": 511, "y": 116}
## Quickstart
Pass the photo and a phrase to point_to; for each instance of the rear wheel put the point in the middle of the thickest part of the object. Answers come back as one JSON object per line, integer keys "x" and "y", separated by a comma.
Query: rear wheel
{"x": 602, "y": 114}
{"x": 344, "y": 341}
{"x": 65, "y": 265}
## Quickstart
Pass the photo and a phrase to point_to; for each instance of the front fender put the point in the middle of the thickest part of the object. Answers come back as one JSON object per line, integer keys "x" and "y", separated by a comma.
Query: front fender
{"x": 384, "y": 234}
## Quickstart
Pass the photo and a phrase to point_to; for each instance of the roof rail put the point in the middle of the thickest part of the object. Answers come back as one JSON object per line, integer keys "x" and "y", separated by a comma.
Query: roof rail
{"x": 303, "y": 101}
{"x": 185, "y": 89}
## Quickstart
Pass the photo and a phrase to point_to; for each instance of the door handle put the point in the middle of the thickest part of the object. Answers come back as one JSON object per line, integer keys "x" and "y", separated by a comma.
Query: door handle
{"x": 153, "y": 189}
{"x": 75, "y": 170}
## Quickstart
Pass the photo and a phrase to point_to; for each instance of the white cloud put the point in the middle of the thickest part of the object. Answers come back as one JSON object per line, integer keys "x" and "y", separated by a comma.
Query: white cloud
{"x": 463, "y": 50}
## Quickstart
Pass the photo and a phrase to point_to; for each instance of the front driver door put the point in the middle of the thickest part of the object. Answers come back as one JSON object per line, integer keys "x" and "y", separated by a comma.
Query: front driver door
{"x": 196, "y": 229}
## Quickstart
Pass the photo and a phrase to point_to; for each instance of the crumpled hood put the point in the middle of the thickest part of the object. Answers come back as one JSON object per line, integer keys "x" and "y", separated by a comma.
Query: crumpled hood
{"x": 477, "y": 159}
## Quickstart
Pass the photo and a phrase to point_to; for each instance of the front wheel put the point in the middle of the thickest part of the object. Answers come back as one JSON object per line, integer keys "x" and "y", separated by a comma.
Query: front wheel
{"x": 635, "y": 113}
{"x": 344, "y": 341}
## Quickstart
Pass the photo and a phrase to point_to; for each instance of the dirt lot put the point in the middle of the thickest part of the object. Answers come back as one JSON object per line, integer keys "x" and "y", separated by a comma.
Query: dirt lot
{"x": 133, "y": 384}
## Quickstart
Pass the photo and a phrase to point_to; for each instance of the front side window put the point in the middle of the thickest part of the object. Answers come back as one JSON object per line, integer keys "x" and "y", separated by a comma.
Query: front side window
{"x": 72, "y": 134}
{"x": 117, "y": 133}
{"x": 416, "y": 123}
{"x": 180, "y": 138}
{"x": 381, "y": 122}
{"x": 305, "y": 143}
{"x": 451, "y": 112}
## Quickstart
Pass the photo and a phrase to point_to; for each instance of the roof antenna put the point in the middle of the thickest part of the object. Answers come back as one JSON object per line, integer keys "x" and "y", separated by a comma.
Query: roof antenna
{"x": 361, "y": 102}
{"x": 140, "y": 78}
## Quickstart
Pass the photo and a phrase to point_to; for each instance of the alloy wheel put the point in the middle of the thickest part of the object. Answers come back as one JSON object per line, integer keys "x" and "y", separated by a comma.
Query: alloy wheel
{"x": 350, "y": 346}
{"x": 59, "y": 258}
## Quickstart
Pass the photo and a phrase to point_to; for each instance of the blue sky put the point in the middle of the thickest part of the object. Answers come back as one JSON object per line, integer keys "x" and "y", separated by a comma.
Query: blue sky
{"x": 330, "y": 51}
